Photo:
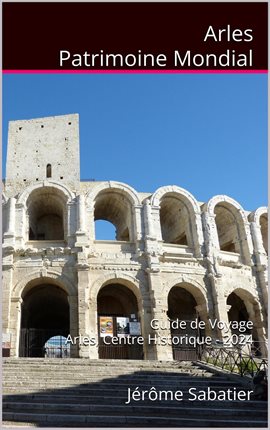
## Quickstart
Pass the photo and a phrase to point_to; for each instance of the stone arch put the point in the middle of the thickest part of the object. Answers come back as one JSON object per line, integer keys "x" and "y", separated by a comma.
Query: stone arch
{"x": 256, "y": 215}
{"x": 37, "y": 277}
{"x": 118, "y": 204}
{"x": 186, "y": 302}
{"x": 23, "y": 197}
{"x": 259, "y": 228}
{"x": 117, "y": 296}
{"x": 181, "y": 192}
{"x": 31, "y": 285}
{"x": 232, "y": 227}
{"x": 197, "y": 287}
{"x": 46, "y": 208}
{"x": 179, "y": 217}
{"x": 116, "y": 277}
{"x": 194, "y": 287}
{"x": 120, "y": 186}
{"x": 254, "y": 311}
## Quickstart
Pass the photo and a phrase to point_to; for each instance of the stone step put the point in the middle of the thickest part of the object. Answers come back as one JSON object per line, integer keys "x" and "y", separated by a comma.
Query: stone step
{"x": 120, "y": 381}
{"x": 65, "y": 420}
{"x": 151, "y": 364}
{"x": 103, "y": 370}
{"x": 103, "y": 399}
{"x": 83, "y": 393}
{"x": 131, "y": 409}
{"x": 99, "y": 391}
{"x": 90, "y": 376}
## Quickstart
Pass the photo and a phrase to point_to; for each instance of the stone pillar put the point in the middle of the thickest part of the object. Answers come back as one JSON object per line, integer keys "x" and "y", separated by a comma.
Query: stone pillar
{"x": 246, "y": 245}
{"x": 145, "y": 316}
{"x": 220, "y": 304}
{"x": 159, "y": 313}
{"x": 11, "y": 217}
{"x": 71, "y": 223}
{"x": 7, "y": 278}
{"x": 83, "y": 284}
{"x": 93, "y": 328}
{"x": 261, "y": 265}
{"x": 197, "y": 234}
{"x": 204, "y": 316}
{"x": 73, "y": 321}
{"x": 81, "y": 213}
{"x": 23, "y": 229}
{"x": 81, "y": 238}
{"x": 15, "y": 325}
{"x": 148, "y": 222}
{"x": 210, "y": 234}
{"x": 137, "y": 224}
{"x": 257, "y": 238}
{"x": 255, "y": 317}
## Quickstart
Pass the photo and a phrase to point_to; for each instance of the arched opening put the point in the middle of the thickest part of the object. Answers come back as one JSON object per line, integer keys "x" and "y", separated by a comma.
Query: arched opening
{"x": 48, "y": 171}
{"x": 175, "y": 221}
{"x": 118, "y": 318}
{"x": 264, "y": 231}
{"x": 116, "y": 208}
{"x": 238, "y": 312}
{"x": 227, "y": 229}
{"x": 57, "y": 347}
{"x": 104, "y": 230}
{"x": 182, "y": 307}
{"x": 46, "y": 214}
{"x": 44, "y": 315}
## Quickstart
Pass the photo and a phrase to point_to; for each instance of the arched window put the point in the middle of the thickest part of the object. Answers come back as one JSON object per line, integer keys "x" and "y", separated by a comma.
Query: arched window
{"x": 46, "y": 211}
{"x": 49, "y": 171}
{"x": 115, "y": 208}
{"x": 104, "y": 230}
{"x": 227, "y": 229}
{"x": 264, "y": 231}
{"x": 175, "y": 221}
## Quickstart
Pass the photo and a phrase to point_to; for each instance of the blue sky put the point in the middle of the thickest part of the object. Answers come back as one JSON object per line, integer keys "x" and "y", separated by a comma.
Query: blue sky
{"x": 205, "y": 133}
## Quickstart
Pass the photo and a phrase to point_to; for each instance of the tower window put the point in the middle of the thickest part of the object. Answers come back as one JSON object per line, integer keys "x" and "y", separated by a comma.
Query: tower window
{"x": 49, "y": 171}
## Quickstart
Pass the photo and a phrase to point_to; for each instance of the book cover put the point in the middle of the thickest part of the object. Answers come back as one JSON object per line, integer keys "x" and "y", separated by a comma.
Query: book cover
{"x": 134, "y": 203}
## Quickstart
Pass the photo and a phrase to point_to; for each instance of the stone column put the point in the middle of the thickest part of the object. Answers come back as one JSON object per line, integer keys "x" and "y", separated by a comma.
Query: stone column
{"x": 246, "y": 245}
{"x": 93, "y": 328}
{"x": 197, "y": 234}
{"x": 23, "y": 229}
{"x": 81, "y": 213}
{"x": 148, "y": 222}
{"x": 137, "y": 225}
{"x": 11, "y": 217}
{"x": 71, "y": 223}
{"x": 257, "y": 238}
{"x": 220, "y": 304}
{"x": 73, "y": 321}
{"x": 81, "y": 238}
{"x": 203, "y": 314}
{"x": 261, "y": 265}
{"x": 7, "y": 281}
{"x": 255, "y": 317}
{"x": 159, "y": 313}
{"x": 15, "y": 325}
{"x": 83, "y": 284}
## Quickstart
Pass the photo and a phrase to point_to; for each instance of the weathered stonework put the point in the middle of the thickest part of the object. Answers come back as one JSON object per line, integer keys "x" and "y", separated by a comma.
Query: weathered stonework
{"x": 164, "y": 240}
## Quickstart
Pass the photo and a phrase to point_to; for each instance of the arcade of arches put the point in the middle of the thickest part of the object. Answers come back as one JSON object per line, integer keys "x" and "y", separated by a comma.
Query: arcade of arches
{"x": 172, "y": 256}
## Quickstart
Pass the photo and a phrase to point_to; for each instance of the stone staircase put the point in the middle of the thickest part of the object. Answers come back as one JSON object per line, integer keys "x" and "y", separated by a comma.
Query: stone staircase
{"x": 92, "y": 393}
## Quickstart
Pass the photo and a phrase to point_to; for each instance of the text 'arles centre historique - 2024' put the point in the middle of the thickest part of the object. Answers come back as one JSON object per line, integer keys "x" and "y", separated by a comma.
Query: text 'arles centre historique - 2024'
{"x": 178, "y": 268}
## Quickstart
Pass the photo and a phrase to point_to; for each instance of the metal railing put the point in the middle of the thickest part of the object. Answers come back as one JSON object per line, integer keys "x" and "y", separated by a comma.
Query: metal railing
{"x": 234, "y": 360}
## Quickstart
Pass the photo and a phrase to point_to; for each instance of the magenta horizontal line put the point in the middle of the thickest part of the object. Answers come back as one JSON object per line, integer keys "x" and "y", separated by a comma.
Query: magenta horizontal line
{"x": 133, "y": 71}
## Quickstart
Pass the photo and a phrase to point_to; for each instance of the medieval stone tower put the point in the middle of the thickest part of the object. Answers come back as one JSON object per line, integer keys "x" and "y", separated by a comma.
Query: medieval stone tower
{"x": 173, "y": 257}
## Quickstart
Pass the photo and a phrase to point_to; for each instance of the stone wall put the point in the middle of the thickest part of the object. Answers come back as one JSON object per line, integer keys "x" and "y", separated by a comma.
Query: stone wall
{"x": 164, "y": 239}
